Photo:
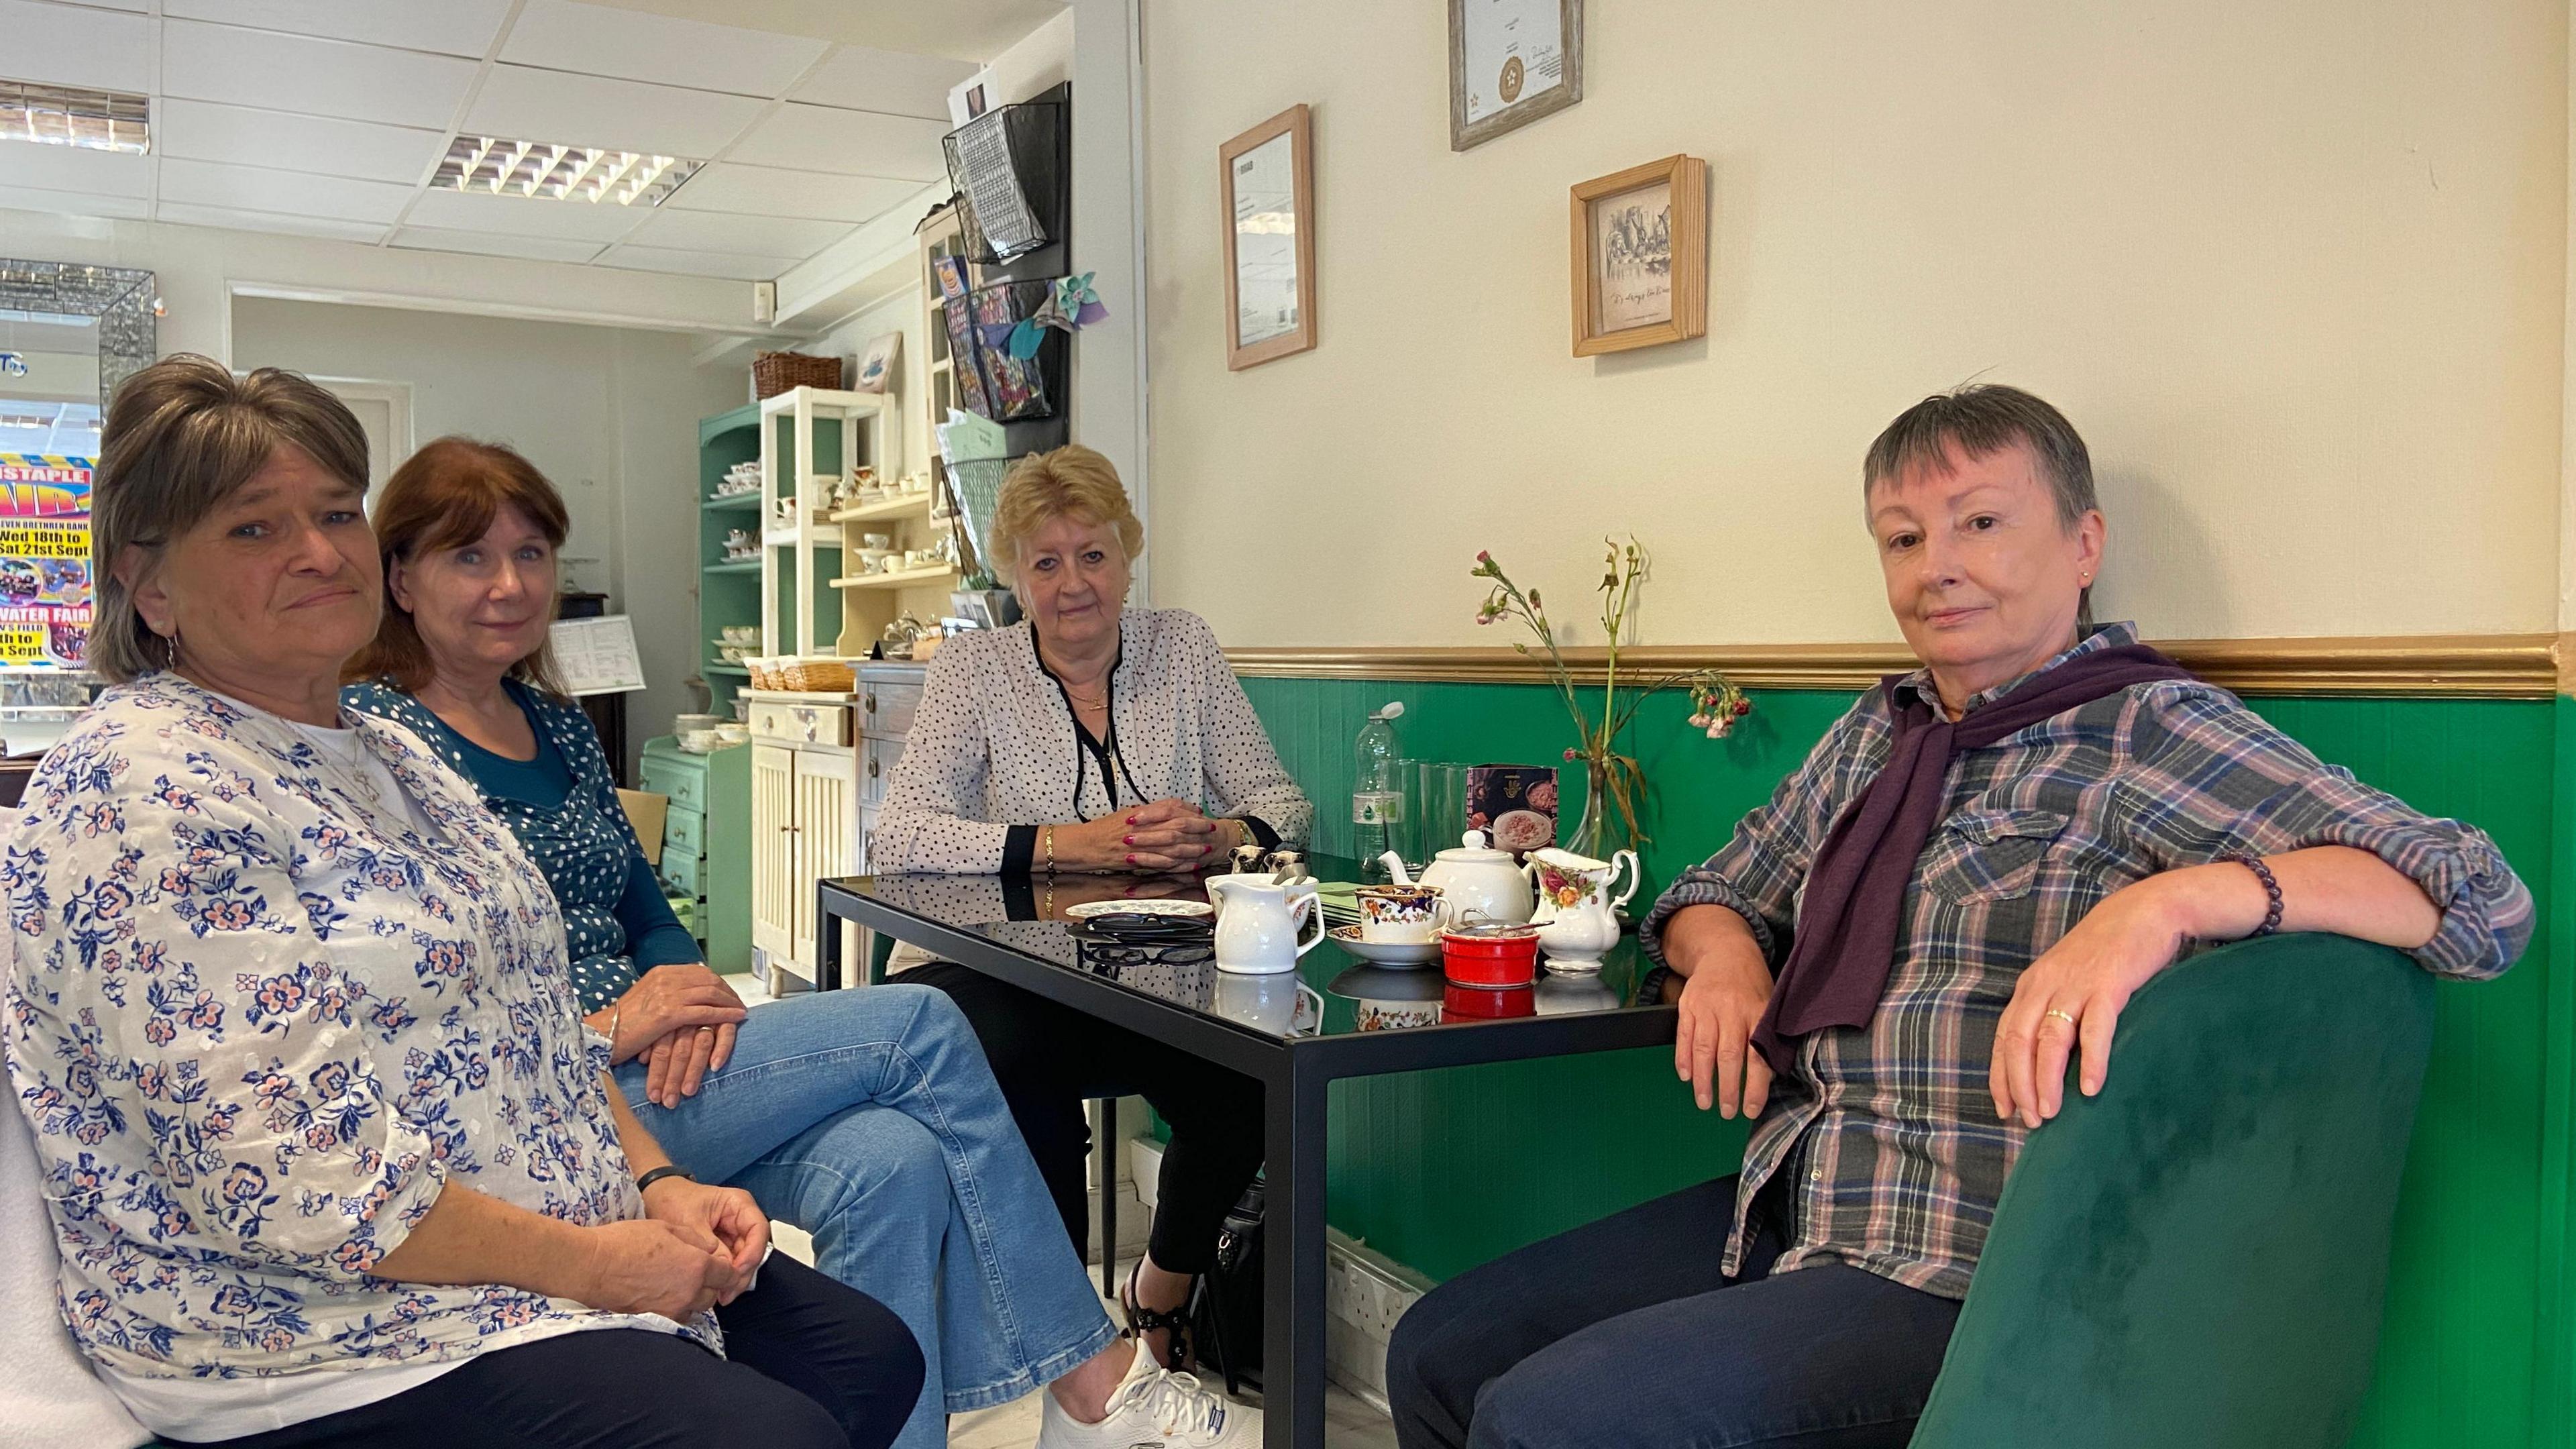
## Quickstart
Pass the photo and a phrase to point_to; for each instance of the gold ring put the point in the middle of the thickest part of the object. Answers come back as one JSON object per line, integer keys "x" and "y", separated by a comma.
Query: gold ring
{"x": 2060, "y": 1015}
{"x": 710, "y": 1028}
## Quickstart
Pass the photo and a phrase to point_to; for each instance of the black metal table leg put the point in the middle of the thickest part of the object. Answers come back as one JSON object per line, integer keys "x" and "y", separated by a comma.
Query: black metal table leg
{"x": 827, "y": 943}
{"x": 1292, "y": 1336}
{"x": 1104, "y": 1165}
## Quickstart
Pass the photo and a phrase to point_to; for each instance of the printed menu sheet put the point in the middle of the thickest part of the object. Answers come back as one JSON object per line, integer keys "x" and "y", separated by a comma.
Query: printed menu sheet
{"x": 597, "y": 656}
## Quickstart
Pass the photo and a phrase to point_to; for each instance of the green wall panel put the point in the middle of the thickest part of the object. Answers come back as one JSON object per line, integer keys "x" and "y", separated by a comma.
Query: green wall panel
{"x": 1446, "y": 1170}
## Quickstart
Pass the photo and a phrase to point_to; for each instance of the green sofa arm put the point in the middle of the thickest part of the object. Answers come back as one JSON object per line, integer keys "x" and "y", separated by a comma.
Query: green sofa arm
{"x": 2198, "y": 1256}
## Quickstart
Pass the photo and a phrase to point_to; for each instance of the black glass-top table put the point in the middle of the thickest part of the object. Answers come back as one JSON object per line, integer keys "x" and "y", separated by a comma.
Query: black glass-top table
{"x": 1361, "y": 1020}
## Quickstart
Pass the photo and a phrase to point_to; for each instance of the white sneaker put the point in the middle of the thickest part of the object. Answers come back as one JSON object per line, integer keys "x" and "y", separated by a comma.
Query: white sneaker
{"x": 1155, "y": 1408}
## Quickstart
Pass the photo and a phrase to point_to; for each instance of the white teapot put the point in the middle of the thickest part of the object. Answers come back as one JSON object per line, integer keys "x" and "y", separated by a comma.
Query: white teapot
{"x": 1260, "y": 923}
{"x": 1478, "y": 882}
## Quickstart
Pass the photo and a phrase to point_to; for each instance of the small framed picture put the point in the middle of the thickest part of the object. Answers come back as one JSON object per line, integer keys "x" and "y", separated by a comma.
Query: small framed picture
{"x": 1511, "y": 62}
{"x": 876, "y": 365}
{"x": 1640, "y": 253}
{"x": 1269, "y": 190}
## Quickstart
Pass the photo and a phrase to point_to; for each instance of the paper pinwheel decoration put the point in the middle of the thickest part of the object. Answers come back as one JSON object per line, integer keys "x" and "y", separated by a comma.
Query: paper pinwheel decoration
{"x": 1070, "y": 306}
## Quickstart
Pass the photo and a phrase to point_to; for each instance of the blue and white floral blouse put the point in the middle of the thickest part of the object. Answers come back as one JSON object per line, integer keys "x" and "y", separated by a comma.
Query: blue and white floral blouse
{"x": 256, "y": 1026}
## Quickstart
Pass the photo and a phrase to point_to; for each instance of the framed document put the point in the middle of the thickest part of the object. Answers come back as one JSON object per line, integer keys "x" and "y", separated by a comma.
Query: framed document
{"x": 1269, "y": 190}
{"x": 1641, "y": 256}
{"x": 1511, "y": 62}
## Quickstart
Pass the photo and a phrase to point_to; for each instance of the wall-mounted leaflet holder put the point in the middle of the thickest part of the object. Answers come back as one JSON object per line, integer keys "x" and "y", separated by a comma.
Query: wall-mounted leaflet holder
{"x": 1012, "y": 168}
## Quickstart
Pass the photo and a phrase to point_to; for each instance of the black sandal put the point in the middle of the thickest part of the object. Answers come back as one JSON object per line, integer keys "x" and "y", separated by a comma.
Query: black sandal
{"x": 1142, "y": 1320}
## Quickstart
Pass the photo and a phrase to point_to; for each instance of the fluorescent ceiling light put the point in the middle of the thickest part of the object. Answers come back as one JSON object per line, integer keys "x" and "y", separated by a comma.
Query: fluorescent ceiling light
{"x": 73, "y": 116}
{"x": 560, "y": 173}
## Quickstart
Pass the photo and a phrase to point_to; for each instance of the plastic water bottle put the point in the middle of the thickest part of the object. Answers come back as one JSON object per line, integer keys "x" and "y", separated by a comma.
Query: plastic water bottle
{"x": 1377, "y": 787}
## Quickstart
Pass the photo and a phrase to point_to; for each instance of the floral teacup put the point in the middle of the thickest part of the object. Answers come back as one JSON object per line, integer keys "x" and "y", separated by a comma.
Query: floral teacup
{"x": 1401, "y": 915}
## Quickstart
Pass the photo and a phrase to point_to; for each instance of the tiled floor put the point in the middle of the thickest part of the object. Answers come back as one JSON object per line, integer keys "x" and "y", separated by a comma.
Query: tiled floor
{"x": 1349, "y": 1423}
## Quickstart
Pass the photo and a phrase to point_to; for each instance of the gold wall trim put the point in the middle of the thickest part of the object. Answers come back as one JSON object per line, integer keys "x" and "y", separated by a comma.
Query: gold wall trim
{"x": 2448, "y": 666}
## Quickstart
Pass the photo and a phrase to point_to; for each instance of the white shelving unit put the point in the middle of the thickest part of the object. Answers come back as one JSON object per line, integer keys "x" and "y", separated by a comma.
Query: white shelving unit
{"x": 871, "y": 433}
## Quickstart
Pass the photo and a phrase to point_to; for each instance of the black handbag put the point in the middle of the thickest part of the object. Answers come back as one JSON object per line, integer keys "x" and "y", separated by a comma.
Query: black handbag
{"x": 1225, "y": 1308}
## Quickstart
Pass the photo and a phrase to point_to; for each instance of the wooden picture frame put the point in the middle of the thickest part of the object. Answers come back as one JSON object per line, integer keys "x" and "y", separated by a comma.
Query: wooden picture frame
{"x": 1624, "y": 225}
{"x": 1491, "y": 37}
{"x": 1268, "y": 316}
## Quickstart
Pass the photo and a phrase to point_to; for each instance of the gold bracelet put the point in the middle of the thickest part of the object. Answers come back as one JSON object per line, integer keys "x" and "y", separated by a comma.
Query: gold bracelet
{"x": 615, "y": 1015}
{"x": 1049, "y": 833}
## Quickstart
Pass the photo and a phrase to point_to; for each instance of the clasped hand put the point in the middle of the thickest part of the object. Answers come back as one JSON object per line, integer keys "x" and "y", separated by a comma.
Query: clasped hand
{"x": 660, "y": 1019}
{"x": 1168, "y": 835}
{"x": 695, "y": 1248}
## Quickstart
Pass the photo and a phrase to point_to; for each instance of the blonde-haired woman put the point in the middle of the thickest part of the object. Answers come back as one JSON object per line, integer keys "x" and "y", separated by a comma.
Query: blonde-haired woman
{"x": 1093, "y": 737}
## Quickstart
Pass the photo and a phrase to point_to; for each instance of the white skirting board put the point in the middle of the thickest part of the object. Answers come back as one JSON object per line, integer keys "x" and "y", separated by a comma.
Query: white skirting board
{"x": 1364, "y": 1290}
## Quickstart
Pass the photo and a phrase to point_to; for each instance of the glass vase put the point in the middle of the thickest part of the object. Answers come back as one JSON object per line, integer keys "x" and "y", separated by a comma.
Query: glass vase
{"x": 1593, "y": 829}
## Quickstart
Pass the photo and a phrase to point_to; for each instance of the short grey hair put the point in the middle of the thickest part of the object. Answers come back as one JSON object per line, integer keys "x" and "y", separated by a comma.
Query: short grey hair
{"x": 1984, "y": 418}
{"x": 181, "y": 435}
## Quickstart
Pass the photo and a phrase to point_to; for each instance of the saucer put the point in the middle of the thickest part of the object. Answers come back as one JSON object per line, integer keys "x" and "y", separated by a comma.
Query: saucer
{"x": 1385, "y": 953}
{"x": 1088, "y": 909}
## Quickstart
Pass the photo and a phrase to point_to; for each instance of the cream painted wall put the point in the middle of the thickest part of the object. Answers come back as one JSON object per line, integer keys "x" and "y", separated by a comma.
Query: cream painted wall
{"x": 2295, "y": 269}
{"x": 609, "y": 414}
{"x": 901, "y": 313}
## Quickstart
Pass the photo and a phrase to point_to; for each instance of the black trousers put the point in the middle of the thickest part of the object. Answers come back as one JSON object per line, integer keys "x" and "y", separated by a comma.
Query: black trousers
{"x": 1050, "y": 1059}
{"x": 812, "y": 1364}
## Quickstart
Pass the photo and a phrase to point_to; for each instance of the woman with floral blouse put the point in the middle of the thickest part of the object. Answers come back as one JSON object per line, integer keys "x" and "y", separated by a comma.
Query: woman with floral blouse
{"x": 329, "y": 1155}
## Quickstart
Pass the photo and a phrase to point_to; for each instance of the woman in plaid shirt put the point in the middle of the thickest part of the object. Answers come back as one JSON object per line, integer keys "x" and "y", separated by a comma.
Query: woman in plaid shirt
{"x": 1891, "y": 964}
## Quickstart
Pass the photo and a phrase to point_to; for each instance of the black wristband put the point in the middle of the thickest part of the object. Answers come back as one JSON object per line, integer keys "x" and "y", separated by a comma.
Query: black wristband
{"x": 667, "y": 1169}
{"x": 2271, "y": 888}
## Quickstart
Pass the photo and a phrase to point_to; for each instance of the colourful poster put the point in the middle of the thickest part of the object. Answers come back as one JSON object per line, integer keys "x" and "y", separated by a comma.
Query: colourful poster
{"x": 44, "y": 560}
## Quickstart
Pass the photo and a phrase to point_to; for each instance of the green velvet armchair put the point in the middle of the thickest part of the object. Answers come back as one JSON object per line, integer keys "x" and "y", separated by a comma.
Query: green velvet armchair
{"x": 2198, "y": 1256}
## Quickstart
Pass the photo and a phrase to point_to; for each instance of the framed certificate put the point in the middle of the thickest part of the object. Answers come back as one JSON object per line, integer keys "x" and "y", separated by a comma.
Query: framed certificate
{"x": 1269, "y": 190}
{"x": 1511, "y": 62}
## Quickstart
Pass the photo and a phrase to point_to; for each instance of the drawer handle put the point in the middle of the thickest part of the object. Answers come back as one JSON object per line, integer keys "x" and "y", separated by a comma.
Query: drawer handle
{"x": 872, "y": 701}
{"x": 872, "y": 767}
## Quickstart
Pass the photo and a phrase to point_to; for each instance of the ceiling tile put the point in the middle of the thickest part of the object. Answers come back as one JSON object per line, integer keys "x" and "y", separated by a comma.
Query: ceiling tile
{"x": 756, "y": 236}
{"x": 594, "y": 40}
{"x": 487, "y": 244}
{"x": 885, "y": 80}
{"x": 201, "y": 131}
{"x": 768, "y": 191}
{"x": 854, "y": 143}
{"x": 697, "y": 264}
{"x": 72, "y": 203}
{"x": 298, "y": 193}
{"x": 523, "y": 216}
{"x": 520, "y": 104}
{"x": 311, "y": 77}
{"x": 454, "y": 27}
{"x": 72, "y": 46}
{"x": 292, "y": 224}
{"x": 74, "y": 168}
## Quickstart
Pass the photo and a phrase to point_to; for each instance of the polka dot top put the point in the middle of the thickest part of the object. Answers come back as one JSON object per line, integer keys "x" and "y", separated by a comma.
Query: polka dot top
{"x": 563, "y": 808}
{"x": 993, "y": 747}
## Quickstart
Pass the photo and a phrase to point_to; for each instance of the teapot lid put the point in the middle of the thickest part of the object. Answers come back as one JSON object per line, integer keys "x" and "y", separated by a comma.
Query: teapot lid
{"x": 1472, "y": 847}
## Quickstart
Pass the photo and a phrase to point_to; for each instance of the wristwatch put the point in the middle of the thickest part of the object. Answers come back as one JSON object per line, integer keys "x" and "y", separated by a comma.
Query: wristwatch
{"x": 667, "y": 1169}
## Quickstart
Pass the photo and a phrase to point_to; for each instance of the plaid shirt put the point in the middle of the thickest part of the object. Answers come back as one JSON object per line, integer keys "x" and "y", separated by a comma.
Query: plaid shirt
{"x": 1890, "y": 1129}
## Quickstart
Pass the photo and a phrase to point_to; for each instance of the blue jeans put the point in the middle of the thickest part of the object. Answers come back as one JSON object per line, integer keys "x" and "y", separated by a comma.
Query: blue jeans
{"x": 868, "y": 1118}
{"x": 1624, "y": 1332}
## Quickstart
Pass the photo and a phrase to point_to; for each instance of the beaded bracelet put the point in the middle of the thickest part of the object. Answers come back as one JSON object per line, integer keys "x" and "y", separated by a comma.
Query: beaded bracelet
{"x": 2271, "y": 888}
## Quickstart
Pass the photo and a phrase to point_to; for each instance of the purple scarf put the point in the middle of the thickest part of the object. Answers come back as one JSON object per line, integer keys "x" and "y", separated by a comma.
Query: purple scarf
{"x": 1846, "y": 936}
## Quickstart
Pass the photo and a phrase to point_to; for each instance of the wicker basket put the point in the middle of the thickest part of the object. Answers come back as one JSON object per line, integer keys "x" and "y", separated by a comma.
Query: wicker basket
{"x": 775, "y": 372}
{"x": 818, "y": 676}
{"x": 764, "y": 671}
